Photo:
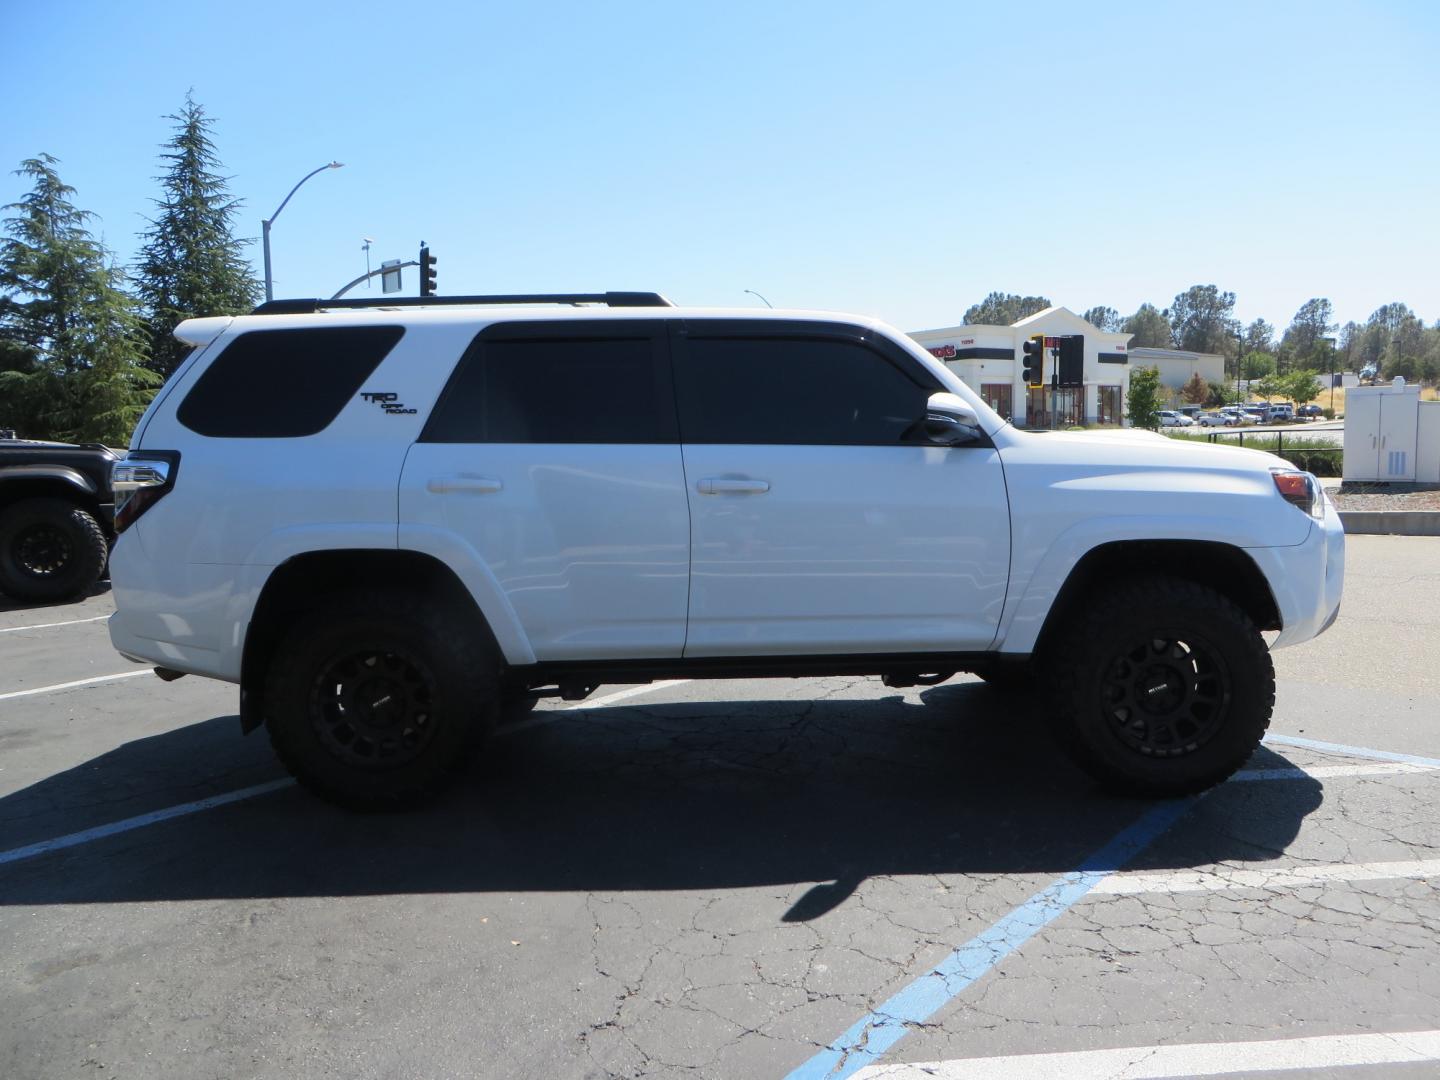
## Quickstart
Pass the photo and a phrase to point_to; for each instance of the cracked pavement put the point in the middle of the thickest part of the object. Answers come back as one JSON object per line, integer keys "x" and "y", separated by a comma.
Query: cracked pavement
{"x": 709, "y": 880}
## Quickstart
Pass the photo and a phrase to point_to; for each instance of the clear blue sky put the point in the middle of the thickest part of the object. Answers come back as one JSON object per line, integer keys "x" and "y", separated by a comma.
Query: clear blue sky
{"x": 898, "y": 159}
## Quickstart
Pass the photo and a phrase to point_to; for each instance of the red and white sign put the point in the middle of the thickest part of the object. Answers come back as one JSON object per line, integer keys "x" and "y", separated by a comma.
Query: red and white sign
{"x": 943, "y": 352}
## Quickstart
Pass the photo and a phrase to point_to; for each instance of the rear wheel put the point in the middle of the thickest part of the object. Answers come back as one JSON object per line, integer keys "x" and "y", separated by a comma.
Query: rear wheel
{"x": 376, "y": 700}
{"x": 50, "y": 550}
{"x": 1164, "y": 688}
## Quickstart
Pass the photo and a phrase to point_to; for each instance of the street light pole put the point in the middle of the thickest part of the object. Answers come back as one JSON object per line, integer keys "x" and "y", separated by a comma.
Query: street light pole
{"x": 752, "y": 292}
{"x": 265, "y": 223}
{"x": 1239, "y": 351}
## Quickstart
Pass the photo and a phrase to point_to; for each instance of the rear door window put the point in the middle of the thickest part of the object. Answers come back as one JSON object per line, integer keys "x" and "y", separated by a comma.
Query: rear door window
{"x": 560, "y": 382}
{"x": 284, "y": 384}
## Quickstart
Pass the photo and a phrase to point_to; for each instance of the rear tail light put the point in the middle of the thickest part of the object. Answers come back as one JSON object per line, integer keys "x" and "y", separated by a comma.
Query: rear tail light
{"x": 140, "y": 480}
{"x": 1301, "y": 489}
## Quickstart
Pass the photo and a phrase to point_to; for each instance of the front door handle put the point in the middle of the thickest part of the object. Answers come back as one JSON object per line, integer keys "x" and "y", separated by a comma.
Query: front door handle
{"x": 721, "y": 485}
{"x": 463, "y": 484}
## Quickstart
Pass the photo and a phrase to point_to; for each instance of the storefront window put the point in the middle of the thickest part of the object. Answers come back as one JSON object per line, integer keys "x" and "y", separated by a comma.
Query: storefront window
{"x": 998, "y": 397}
{"x": 1108, "y": 406}
{"x": 1069, "y": 407}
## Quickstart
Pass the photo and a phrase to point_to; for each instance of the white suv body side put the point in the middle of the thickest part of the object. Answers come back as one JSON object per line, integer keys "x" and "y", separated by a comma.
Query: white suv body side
{"x": 982, "y": 540}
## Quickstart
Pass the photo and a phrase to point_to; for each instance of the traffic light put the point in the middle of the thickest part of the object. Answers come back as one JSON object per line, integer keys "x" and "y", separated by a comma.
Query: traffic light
{"x": 427, "y": 272}
{"x": 1034, "y": 370}
{"x": 1072, "y": 360}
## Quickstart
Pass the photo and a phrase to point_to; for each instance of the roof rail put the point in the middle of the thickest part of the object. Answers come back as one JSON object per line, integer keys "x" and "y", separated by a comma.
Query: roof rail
{"x": 611, "y": 299}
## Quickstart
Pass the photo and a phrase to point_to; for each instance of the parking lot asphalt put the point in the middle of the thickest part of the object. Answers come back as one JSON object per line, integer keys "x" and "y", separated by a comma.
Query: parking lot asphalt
{"x": 814, "y": 877}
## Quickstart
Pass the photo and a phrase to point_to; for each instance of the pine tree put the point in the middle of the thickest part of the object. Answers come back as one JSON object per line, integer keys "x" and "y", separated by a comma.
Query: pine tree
{"x": 69, "y": 335}
{"x": 191, "y": 265}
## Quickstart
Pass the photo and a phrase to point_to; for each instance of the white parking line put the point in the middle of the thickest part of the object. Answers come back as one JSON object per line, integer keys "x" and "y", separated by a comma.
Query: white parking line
{"x": 1191, "y": 1059}
{"x": 1286, "y": 878}
{"x": 30, "y": 851}
{"x": 48, "y": 625}
{"x": 71, "y": 685}
{"x": 1321, "y": 772}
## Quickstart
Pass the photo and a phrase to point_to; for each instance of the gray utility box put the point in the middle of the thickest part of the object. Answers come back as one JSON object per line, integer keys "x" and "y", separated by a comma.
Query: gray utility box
{"x": 1391, "y": 435}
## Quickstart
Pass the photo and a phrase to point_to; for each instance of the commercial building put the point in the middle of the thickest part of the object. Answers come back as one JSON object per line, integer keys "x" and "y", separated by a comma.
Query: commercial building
{"x": 990, "y": 359}
{"x": 1178, "y": 366}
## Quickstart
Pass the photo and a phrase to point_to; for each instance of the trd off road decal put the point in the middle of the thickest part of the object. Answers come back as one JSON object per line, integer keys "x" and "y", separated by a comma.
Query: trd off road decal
{"x": 387, "y": 402}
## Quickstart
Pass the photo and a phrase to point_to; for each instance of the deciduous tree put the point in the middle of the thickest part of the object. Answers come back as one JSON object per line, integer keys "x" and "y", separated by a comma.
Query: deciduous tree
{"x": 1142, "y": 400}
{"x": 1200, "y": 319}
{"x": 1150, "y": 328}
{"x": 1195, "y": 391}
{"x": 1103, "y": 318}
{"x": 1004, "y": 309}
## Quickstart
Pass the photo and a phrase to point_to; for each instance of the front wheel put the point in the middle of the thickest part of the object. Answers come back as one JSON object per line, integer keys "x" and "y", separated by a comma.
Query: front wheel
{"x": 1164, "y": 688}
{"x": 377, "y": 700}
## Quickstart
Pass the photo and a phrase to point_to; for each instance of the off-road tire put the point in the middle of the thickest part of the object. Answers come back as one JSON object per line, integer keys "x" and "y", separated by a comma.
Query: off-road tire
{"x": 50, "y": 550}
{"x": 376, "y": 700}
{"x": 1163, "y": 687}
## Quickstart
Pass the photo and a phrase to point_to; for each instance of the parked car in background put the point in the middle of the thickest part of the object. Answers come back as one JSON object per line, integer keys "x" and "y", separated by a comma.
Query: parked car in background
{"x": 1259, "y": 414}
{"x": 1311, "y": 411}
{"x": 1282, "y": 412}
{"x": 1171, "y": 418}
{"x": 1194, "y": 412}
{"x": 56, "y": 518}
{"x": 1222, "y": 418}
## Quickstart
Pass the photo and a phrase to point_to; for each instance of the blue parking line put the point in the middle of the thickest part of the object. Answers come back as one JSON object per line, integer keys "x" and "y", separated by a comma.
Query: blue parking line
{"x": 864, "y": 1042}
{"x": 872, "y": 1035}
{"x": 1353, "y": 751}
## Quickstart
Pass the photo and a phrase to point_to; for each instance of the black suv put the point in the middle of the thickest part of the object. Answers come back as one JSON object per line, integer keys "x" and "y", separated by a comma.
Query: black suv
{"x": 57, "y": 517}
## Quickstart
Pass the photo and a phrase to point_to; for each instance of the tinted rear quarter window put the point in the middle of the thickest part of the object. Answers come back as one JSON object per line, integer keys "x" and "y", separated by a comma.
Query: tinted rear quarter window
{"x": 610, "y": 387}
{"x": 281, "y": 384}
{"x": 794, "y": 390}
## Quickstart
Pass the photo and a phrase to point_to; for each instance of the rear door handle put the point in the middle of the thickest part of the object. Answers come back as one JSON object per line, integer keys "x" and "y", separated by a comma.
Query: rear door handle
{"x": 463, "y": 485}
{"x": 719, "y": 485}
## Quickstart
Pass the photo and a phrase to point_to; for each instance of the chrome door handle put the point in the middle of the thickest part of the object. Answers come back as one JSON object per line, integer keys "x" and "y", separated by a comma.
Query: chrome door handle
{"x": 719, "y": 485}
{"x": 463, "y": 485}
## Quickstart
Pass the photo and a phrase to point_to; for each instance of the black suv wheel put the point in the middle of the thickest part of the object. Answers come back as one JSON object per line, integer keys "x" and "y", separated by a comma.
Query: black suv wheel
{"x": 50, "y": 549}
{"x": 377, "y": 700}
{"x": 1164, "y": 688}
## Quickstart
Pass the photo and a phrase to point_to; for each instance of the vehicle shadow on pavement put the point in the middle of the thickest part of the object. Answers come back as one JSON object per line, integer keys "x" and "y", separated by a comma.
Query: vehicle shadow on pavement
{"x": 7, "y": 603}
{"x": 680, "y": 796}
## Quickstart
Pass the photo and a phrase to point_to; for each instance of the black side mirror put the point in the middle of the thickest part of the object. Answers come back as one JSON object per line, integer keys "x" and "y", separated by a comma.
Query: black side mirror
{"x": 949, "y": 421}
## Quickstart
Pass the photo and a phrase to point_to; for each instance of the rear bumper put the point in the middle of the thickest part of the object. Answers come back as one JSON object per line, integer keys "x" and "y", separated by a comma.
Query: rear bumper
{"x": 1306, "y": 579}
{"x": 176, "y": 620}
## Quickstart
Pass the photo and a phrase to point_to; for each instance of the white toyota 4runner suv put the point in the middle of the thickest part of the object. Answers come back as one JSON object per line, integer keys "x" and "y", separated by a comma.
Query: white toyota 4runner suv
{"x": 392, "y": 523}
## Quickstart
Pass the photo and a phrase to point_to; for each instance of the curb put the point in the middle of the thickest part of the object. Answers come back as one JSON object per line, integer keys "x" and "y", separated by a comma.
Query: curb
{"x": 1391, "y": 522}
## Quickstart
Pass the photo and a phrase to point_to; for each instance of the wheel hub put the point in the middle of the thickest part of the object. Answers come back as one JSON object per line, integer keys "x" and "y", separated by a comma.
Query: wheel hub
{"x": 372, "y": 709}
{"x": 42, "y": 550}
{"x": 1165, "y": 697}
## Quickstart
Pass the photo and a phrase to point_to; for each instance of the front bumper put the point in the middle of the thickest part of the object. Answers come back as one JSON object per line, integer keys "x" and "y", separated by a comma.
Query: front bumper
{"x": 1306, "y": 579}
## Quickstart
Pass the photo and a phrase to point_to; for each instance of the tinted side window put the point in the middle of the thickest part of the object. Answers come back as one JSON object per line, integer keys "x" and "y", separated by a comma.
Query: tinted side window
{"x": 543, "y": 389}
{"x": 277, "y": 384}
{"x": 794, "y": 390}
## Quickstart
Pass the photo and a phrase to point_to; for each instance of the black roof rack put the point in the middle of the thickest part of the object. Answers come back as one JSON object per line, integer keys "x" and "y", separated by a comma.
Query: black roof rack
{"x": 612, "y": 299}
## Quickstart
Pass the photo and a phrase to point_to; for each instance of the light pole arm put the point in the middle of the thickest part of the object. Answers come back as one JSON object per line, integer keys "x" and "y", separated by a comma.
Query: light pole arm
{"x": 372, "y": 273}
{"x": 322, "y": 168}
{"x": 265, "y": 223}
